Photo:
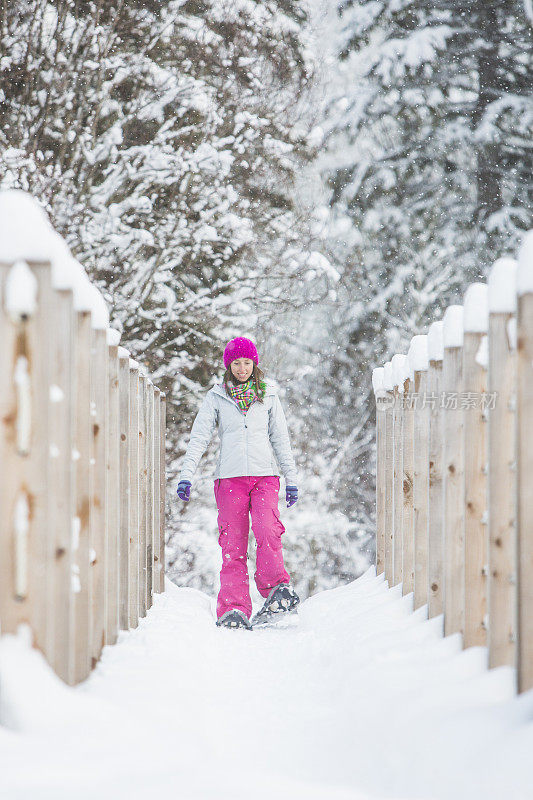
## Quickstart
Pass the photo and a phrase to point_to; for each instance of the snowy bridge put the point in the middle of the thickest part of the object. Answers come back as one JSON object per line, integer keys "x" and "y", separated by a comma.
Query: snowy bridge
{"x": 361, "y": 696}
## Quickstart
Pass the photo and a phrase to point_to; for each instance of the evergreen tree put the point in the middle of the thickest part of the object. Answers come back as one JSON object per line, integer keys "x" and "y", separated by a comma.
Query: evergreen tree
{"x": 164, "y": 139}
{"x": 427, "y": 160}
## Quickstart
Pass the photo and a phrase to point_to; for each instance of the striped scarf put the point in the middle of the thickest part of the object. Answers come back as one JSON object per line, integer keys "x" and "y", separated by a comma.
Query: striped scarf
{"x": 245, "y": 393}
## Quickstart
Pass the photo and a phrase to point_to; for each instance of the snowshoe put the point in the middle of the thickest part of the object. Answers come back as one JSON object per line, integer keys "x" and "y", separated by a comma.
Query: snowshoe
{"x": 234, "y": 619}
{"x": 281, "y": 601}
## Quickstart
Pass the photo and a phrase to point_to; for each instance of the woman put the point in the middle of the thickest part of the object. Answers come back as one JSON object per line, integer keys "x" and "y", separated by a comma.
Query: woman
{"x": 253, "y": 440}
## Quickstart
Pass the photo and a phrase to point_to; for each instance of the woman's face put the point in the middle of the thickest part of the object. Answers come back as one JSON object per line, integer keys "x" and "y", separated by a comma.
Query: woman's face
{"x": 242, "y": 368}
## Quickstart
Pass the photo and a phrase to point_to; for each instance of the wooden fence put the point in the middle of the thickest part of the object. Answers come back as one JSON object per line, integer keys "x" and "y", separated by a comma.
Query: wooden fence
{"x": 82, "y": 455}
{"x": 454, "y": 425}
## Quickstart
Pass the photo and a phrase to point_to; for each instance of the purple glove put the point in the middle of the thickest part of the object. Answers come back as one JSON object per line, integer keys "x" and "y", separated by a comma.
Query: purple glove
{"x": 184, "y": 490}
{"x": 291, "y": 495}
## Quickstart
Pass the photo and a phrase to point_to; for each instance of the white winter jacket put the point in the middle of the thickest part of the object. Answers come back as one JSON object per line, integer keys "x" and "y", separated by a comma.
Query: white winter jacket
{"x": 251, "y": 443}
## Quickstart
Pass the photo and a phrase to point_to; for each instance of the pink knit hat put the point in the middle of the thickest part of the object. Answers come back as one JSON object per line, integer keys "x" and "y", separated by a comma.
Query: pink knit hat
{"x": 240, "y": 348}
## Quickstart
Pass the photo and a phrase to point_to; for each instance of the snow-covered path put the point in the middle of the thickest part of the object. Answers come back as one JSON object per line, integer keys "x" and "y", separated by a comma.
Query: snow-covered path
{"x": 358, "y": 698}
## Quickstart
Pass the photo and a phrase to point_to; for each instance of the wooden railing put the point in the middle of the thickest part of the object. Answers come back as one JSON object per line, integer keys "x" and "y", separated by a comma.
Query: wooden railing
{"x": 455, "y": 467}
{"x": 82, "y": 455}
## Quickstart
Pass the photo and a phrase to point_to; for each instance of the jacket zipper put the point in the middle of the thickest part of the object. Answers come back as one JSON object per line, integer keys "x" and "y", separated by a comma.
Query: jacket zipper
{"x": 231, "y": 400}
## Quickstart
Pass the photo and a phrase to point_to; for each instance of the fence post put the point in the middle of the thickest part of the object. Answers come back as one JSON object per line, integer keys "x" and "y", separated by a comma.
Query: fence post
{"x": 388, "y": 385}
{"x": 502, "y": 463}
{"x": 134, "y": 496}
{"x": 125, "y": 444}
{"x": 380, "y": 397}
{"x": 525, "y": 462}
{"x": 149, "y": 492}
{"x": 113, "y": 490}
{"x": 408, "y": 525}
{"x": 163, "y": 487}
{"x": 419, "y": 360}
{"x": 475, "y": 323}
{"x": 452, "y": 371}
{"x": 142, "y": 494}
{"x": 157, "y": 489}
{"x": 81, "y": 543}
{"x": 24, "y": 448}
{"x": 397, "y": 468}
{"x": 399, "y": 370}
{"x": 61, "y": 497}
{"x": 99, "y": 404}
{"x": 435, "y": 518}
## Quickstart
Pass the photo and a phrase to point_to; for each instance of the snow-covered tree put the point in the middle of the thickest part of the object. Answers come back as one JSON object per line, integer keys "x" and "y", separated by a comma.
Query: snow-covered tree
{"x": 426, "y": 153}
{"x": 165, "y": 140}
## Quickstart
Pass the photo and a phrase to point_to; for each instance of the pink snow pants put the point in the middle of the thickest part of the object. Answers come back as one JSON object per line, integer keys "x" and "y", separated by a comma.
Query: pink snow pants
{"x": 236, "y": 498}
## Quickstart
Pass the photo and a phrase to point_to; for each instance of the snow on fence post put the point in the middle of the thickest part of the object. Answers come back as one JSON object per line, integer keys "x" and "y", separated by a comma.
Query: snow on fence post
{"x": 436, "y": 509}
{"x": 157, "y": 490}
{"x": 142, "y": 493}
{"x": 163, "y": 487}
{"x": 452, "y": 381}
{"x": 24, "y": 440}
{"x": 419, "y": 363}
{"x": 399, "y": 370}
{"x": 525, "y": 462}
{"x": 380, "y": 397}
{"x": 502, "y": 463}
{"x": 124, "y": 490}
{"x": 408, "y": 534}
{"x": 149, "y": 492}
{"x": 134, "y": 495}
{"x": 474, "y": 394}
{"x": 113, "y": 490}
{"x": 388, "y": 385}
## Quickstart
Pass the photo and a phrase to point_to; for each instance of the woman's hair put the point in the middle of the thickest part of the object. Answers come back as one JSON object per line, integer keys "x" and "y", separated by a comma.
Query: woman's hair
{"x": 257, "y": 376}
